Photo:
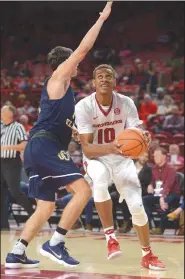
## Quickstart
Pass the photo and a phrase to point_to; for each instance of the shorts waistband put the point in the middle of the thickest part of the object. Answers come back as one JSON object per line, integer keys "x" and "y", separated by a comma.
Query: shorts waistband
{"x": 45, "y": 134}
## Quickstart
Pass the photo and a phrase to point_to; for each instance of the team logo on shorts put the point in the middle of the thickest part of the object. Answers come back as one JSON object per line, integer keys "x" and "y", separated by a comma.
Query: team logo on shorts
{"x": 117, "y": 111}
{"x": 64, "y": 155}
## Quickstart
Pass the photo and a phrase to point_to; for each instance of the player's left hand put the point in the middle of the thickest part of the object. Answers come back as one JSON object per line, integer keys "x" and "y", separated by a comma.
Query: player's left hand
{"x": 106, "y": 11}
{"x": 147, "y": 138}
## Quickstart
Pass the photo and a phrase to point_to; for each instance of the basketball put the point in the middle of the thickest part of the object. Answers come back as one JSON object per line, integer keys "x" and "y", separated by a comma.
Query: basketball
{"x": 132, "y": 142}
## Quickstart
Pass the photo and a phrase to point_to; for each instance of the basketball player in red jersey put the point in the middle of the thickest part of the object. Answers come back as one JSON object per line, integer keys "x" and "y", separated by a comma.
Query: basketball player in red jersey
{"x": 100, "y": 118}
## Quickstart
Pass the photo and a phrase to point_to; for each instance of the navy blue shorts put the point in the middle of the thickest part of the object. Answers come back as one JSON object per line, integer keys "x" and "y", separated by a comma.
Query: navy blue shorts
{"x": 48, "y": 168}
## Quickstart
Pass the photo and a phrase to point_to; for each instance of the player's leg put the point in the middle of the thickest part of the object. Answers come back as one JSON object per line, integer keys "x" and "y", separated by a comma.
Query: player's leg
{"x": 100, "y": 176}
{"x": 45, "y": 197}
{"x": 128, "y": 185}
{"x": 56, "y": 169}
{"x": 82, "y": 194}
{"x": 17, "y": 258}
{"x": 140, "y": 223}
{"x": 55, "y": 247}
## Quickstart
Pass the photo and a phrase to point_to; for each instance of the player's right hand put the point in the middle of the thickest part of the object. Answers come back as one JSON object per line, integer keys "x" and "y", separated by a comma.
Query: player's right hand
{"x": 106, "y": 11}
{"x": 114, "y": 148}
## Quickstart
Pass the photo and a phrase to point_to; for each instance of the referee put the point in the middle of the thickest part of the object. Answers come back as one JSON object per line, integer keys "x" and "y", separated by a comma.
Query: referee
{"x": 13, "y": 141}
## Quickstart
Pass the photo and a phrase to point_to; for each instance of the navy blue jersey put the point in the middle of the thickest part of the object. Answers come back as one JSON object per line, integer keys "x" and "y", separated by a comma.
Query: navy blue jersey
{"x": 56, "y": 116}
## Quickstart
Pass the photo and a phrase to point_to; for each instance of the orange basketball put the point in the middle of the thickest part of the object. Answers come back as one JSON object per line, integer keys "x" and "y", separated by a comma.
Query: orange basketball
{"x": 132, "y": 142}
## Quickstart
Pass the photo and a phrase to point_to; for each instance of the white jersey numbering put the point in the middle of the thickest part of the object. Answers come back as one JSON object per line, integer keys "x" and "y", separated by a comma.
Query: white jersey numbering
{"x": 106, "y": 123}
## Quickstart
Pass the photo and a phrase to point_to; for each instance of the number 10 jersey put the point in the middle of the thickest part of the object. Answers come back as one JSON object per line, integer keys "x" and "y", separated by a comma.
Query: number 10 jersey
{"x": 105, "y": 123}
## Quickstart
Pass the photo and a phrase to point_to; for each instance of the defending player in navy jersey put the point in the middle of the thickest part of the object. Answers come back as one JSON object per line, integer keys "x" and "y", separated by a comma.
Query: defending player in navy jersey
{"x": 46, "y": 159}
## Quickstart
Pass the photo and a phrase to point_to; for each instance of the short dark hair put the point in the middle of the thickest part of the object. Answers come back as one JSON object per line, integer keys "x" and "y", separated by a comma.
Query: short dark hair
{"x": 162, "y": 149}
{"x": 57, "y": 56}
{"x": 104, "y": 66}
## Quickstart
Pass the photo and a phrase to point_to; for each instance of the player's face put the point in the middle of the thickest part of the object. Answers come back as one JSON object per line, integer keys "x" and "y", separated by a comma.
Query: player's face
{"x": 104, "y": 81}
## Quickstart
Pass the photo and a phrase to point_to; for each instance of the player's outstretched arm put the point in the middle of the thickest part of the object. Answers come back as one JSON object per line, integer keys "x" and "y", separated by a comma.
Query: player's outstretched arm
{"x": 66, "y": 69}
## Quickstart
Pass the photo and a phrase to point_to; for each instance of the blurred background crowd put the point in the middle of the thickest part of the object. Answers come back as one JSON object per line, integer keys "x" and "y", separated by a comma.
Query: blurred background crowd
{"x": 144, "y": 42}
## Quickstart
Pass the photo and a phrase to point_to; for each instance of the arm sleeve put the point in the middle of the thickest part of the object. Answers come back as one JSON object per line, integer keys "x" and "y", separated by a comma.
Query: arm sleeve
{"x": 83, "y": 119}
{"x": 21, "y": 133}
{"x": 132, "y": 115}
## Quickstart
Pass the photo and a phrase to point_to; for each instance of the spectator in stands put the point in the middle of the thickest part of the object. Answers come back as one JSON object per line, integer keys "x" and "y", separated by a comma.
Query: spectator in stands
{"x": 174, "y": 157}
{"x": 175, "y": 215}
{"x": 20, "y": 102}
{"x": 164, "y": 189}
{"x": 140, "y": 76}
{"x": 8, "y": 103}
{"x": 7, "y": 82}
{"x": 25, "y": 83}
{"x": 181, "y": 109}
{"x": 153, "y": 146}
{"x": 27, "y": 109}
{"x": 174, "y": 123}
{"x": 144, "y": 172}
{"x": 74, "y": 152}
{"x": 160, "y": 95}
{"x": 3, "y": 78}
{"x": 125, "y": 76}
{"x": 155, "y": 121}
{"x": 146, "y": 108}
{"x": 24, "y": 121}
{"x": 40, "y": 82}
{"x": 152, "y": 77}
{"x": 14, "y": 71}
{"x": 24, "y": 70}
{"x": 166, "y": 106}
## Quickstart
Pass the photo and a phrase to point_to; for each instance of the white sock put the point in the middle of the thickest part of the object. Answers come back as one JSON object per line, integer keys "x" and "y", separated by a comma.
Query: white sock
{"x": 56, "y": 239}
{"x": 19, "y": 248}
{"x": 109, "y": 232}
{"x": 145, "y": 250}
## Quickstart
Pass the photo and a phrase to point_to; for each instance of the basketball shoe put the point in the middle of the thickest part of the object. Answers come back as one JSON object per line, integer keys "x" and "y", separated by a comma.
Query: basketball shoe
{"x": 152, "y": 262}
{"x": 113, "y": 248}
{"x": 19, "y": 261}
{"x": 59, "y": 254}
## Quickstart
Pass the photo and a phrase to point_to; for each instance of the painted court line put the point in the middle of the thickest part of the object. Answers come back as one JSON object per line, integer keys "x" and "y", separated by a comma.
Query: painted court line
{"x": 51, "y": 274}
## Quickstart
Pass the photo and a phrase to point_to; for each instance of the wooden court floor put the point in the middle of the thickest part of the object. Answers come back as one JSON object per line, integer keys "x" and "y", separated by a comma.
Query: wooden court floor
{"x": 90, "y": 250}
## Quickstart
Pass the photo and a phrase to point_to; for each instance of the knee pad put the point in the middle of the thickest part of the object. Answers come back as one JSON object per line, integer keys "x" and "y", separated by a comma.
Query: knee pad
{"x": 101, "y": 193}
{"x": 100, "y": 177}
{"x": 139, "y": 216}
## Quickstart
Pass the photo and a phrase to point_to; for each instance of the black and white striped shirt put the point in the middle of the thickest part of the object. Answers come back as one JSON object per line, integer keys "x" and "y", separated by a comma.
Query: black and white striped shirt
{"x": 12, "y": 134}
